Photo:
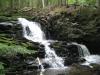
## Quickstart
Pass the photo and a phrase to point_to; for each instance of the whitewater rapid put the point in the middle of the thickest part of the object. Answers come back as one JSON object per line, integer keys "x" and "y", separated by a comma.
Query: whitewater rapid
{"x": 32, "y": 31}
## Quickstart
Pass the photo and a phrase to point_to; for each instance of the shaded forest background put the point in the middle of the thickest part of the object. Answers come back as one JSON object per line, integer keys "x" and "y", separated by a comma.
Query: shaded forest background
{"x": 73, "y": 20}
{"x": 20, "y": 4}
{"x": 66, "y": 20}
{"x": 63, "y": 20}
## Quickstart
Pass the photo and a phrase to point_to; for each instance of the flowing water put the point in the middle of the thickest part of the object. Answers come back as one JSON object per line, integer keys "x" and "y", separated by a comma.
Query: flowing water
{"x": 84, "y": 53}
{"x": 32, "y": 31}
{"x": 91, "y": 59}
{"x": 82, "y": 49}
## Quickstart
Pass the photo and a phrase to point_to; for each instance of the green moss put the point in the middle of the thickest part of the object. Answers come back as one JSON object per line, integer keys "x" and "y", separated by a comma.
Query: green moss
{"x": 12, "y": 50}
{"x": 12, "y": 17}
{"x": 7, "y": 39}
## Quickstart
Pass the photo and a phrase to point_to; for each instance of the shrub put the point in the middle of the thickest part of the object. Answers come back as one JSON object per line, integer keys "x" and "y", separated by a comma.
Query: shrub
{"x": 12, "y": 50}
{"x": 1, "y": 69}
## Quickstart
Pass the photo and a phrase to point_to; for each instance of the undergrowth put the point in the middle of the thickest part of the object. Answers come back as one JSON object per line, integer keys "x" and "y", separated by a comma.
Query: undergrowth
{"x": 12, "y": 50}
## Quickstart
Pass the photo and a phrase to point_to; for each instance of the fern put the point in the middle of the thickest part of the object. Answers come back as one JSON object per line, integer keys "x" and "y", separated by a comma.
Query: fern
{"x": 1, "y": 69}
{"x": 13, "y": 50}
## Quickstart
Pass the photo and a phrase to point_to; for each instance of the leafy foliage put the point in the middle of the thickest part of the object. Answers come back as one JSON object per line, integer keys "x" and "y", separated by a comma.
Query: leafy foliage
{"x": 5, "y": 4}
{"x": 13, "y": 50}
{"x": 1, "y": 69}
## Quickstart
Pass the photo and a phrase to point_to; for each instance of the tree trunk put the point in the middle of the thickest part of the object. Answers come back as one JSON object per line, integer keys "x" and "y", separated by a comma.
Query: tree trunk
{"x": 39, "y": 4}
{"x": 12, "y": 4}
{"x": 43, "y": 3}
{"x": 98, "y": 3}
{"x": 64, "y": 2}
{"x": 59, "y": 2}
{"x": 46, "y": 2}
{"x": 19, "y": 4}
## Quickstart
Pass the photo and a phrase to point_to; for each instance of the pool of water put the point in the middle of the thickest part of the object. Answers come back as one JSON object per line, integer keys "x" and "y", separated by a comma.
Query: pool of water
{"x": 53, "y": 71}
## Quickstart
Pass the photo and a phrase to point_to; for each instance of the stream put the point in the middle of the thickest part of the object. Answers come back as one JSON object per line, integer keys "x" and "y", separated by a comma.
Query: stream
{"x": 32, "y": 31}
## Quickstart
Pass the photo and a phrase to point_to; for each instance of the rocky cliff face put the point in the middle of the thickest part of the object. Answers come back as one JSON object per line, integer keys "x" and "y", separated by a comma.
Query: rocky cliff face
{"x": 16, "y": 52}
{"x": 81, "y": 26}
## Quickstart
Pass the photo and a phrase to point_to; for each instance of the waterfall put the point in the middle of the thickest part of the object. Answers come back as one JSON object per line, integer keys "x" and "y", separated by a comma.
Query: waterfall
{"x": 32, "y": 31}
{"x": 82, "y": 49}
{"x": 84, "y": 53}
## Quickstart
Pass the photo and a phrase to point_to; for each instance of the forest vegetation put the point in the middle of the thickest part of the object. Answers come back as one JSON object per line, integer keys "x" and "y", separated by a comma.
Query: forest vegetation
{"x": 63, "y": 20}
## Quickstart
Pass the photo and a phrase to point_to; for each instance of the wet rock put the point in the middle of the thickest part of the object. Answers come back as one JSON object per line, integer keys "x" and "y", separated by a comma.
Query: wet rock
{"x": 41, "y": 51}
{"x": 41, "y": 46}
{"x": 32, "y": 45}
{"x": 6, "y": 27}
{"x": 70, "y": 60}
{"x": 69, "y": 52}
{"x": 46, "y": 65}
{"x": 41, "y": 54}
{"x": 33, "y": 66}
{"x": 80, "y": 60}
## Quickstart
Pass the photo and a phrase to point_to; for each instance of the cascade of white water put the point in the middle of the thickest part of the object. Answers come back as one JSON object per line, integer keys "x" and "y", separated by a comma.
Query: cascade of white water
{"x": 32, "y": 31}
{"x": 82, "y": 49}
{"x": 84, "y": 53}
